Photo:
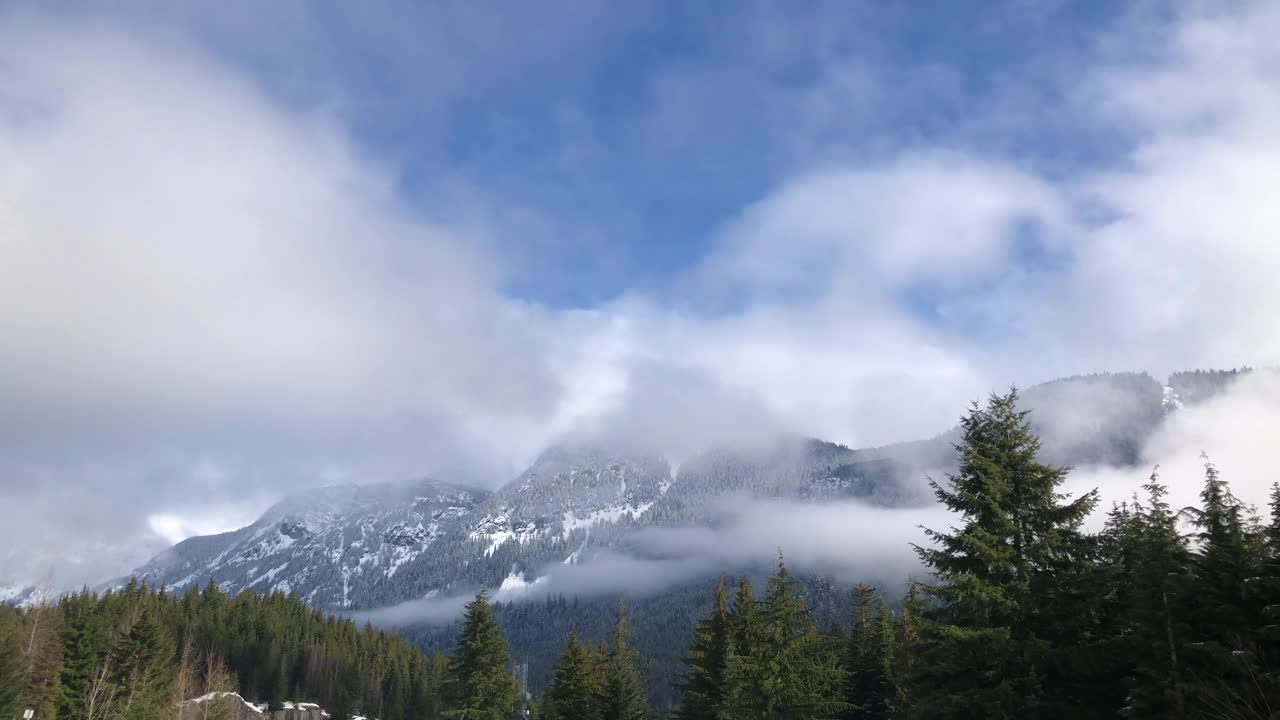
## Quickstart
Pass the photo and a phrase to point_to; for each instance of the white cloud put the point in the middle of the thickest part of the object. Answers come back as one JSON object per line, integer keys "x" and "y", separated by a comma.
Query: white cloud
{"x": 191, "y": 273}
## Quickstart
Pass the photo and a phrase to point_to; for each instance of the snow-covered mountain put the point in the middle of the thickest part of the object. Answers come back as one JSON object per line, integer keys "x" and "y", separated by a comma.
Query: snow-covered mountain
{"x": 360, "y": 547}
{"x": 371, "y": 546}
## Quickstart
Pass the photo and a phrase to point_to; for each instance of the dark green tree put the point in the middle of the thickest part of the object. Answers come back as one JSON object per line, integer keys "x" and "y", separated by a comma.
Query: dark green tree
{"x": 142, "y": 666}
{"x": 792, "y": 670}
{"x": 1229, "y": 590}
{"x": 702, "y": 684}
{"x": 869, "y": 661}
{"x": 622, "y": 694}
{"x": 574, "y": 693}
{"x": 12, "y": 669}
{"x": 480, "y": 685}
{"x": 984, "y": 651}
{"x": 1154, "y": 561}
{"x": 86, "y": 641}
{"x": 745, "y": 629}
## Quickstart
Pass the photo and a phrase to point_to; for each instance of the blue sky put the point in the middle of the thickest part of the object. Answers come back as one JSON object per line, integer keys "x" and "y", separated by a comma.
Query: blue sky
{"x": 251, "y": 248}
{"x": 628, "y": 136}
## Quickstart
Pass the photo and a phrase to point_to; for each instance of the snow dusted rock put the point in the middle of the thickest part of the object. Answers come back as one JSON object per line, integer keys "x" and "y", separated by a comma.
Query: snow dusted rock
{"x": 363, "y": 547}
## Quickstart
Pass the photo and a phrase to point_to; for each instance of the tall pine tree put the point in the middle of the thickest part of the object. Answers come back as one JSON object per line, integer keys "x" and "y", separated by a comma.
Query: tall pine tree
{"x": 12, "y": 672}
{"x": 702, "y": 684}
{"x": 869, "y": 661}
{"x": 574, "y": 693}
{"x": 984, "y": 649}
{"x": 480, "y": 685}
{"x": 1155, "y": 560}
{"x": 622, "y": 695}
{"x": 791, "y": 670}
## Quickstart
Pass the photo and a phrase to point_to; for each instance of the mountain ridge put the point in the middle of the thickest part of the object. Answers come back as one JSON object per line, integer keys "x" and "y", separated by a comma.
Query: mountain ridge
{"x": 357, "y": 547}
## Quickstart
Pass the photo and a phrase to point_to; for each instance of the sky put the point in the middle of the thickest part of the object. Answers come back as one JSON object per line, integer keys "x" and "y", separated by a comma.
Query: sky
{"x": 252, "y": 248}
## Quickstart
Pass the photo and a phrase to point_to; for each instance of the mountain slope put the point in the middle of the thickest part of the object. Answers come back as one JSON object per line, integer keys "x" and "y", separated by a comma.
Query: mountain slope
{"x": 370, "y": 546}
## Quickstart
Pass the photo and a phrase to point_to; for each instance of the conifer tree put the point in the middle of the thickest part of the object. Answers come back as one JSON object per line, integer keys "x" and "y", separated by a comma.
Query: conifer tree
{"x": 907, "y": 645}
{"x": 744, "y": 621}
{"x": 868, "y": 658}
{"x": 1156, "y": 559}
{"x": 791, "y": 670}
{"x": 480, "y": 687}
{"x": 11, "y": 665}
{"x": 575, "y": 687}
{"x": 984, "y": 649}
{"x": 888, "y": 659}
{"x": 1229, "y": 593}
{"x": 1225, "y": 561}
{"x": 143, "y": 670}
{"x": 43, "y": 651}
{"x": 86, "y": 638}
{"x": 622, "y": 694}
{"x": 1269, "y": 624}
{"x": 702, "y": 684}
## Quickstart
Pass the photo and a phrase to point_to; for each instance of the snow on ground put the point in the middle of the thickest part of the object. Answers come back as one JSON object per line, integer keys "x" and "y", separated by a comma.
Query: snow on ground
{"x": 270, "y": 575}
{"x": 9, "y": 593}
{"x": 515, "y": 585}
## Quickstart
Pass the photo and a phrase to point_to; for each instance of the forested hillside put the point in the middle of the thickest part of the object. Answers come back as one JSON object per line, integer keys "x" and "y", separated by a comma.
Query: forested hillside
{"x": 135, "y": 653}
{"x": 1166, "y": 613}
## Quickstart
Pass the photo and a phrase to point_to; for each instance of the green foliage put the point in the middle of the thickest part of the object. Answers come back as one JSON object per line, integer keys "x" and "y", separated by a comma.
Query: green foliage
{"x": 784, "y": 667}
{"x": 622, "y": 695}
{"x": 480, "y": 684}
{"x": 702, "y": 685}
{"x": 1030, "y": 617}
{"x": 11, "y": 665}
{"x": 574, "y": 693}
{"x": 133, "y": 654}
{"x": 870, "y": 659}
{"x": 985, "y": 647}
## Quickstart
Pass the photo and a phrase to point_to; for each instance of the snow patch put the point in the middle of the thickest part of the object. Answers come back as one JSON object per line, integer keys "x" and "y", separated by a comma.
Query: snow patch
{"x": 515, "y": 585}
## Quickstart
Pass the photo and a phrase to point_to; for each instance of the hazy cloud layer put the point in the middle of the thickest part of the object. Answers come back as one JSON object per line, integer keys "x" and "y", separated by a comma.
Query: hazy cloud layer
{"x": 215, "y": 290}
{"x": 853, "y": 542}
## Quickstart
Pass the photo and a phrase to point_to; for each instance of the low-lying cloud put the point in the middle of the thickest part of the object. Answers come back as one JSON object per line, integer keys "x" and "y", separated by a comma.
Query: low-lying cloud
{"x": 851, "y": 541}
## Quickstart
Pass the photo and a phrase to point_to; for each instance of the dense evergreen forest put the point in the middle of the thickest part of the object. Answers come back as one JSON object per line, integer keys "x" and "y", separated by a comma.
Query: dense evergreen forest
{"x": 1165, "y": 613}
{"x": 135, "y": 653}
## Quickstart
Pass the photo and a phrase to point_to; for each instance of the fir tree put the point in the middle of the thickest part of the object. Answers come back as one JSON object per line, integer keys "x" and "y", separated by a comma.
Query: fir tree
{"x": 1229, "y": 600}
{"x": 868, "y": 658}
{"x": 574, "y": 691}
{"x": 86, "y": 638}
{"x": 984, "y": 648}
{"x": 44, "y": 656}
{"x": 907, "y": 646}
{"x": 791, "y": 670}
{"x": 143, "y": 669}
{"x": 1269, "y": 624}
{"x": 702, "y": 685}
{"x": 11, "y": 665}
{"x": 1225, "y": 562}
{"x": 745, "y": 630}
{"x": 622, "y": 692}
{"x": 480, "y": 687}
{"x": 1155, "y": 559}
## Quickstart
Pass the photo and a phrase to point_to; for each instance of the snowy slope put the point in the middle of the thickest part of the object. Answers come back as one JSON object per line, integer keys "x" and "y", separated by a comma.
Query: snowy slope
{"x": 370, "y": 546}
